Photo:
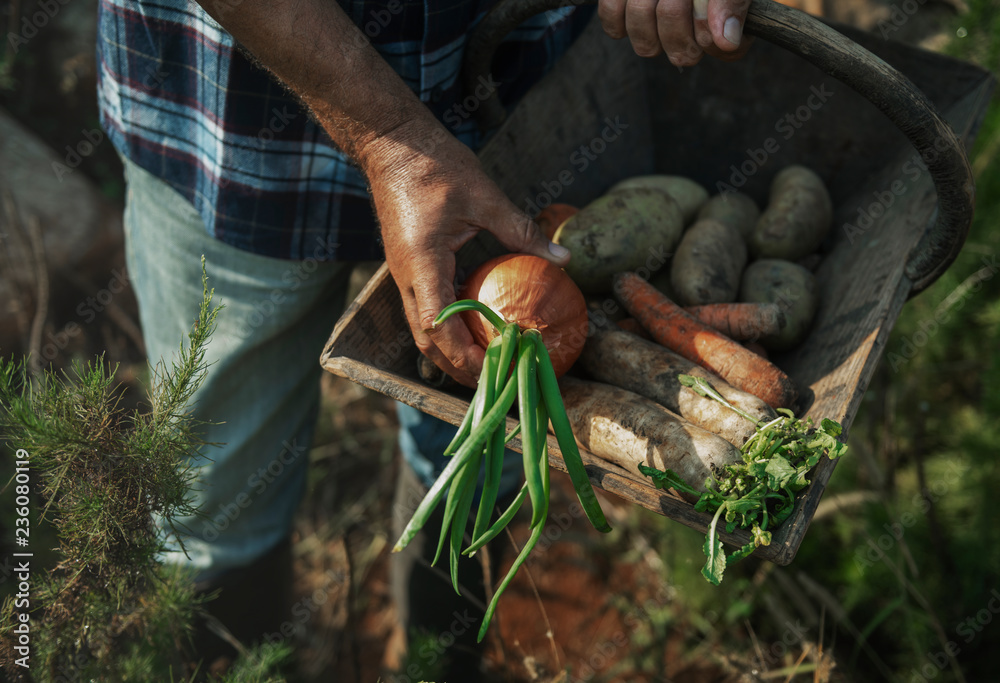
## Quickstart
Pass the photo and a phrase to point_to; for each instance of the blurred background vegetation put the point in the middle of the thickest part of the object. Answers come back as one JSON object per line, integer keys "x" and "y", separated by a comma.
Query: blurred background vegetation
{"x": 899, "y": 576}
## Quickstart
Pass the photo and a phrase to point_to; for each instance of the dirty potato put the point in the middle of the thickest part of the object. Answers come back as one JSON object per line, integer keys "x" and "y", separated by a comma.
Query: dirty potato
{"x": 621, "y": 231}
{"x": 688, "y": 194}
{"x": 797, "y": 218}
{"x": 790, "y": 286}
{"x": 733, "y": 208}
{"x": 707, "y": 266}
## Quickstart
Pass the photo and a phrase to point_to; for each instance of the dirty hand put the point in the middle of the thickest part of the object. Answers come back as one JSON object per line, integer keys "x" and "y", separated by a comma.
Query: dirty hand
{"x": 429, "y": 204}
{"x": 684, "y": 29}
{"x": 430, "y": 194}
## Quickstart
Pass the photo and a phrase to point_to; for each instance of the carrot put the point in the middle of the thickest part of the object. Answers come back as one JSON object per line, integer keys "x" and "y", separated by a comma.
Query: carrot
{"x": 669, "y": 325}
{"x": 629, "y": 430}
{"x": 742, "y": 322}
{"x": 632, "y": 325}
{"x": 552, "y": 216}
{"x": 652, "y": 370}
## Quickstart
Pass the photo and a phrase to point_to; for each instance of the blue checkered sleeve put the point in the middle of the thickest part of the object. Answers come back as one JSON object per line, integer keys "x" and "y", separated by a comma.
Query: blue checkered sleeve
{"x": 180, "y": 100}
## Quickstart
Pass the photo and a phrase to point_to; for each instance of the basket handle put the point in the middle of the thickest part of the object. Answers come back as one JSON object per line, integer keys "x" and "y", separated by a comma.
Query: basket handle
{"x": 835, "y": 54}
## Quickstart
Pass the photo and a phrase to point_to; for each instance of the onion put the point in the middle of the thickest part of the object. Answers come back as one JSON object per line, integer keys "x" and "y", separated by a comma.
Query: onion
{"x": 534, "y": 293}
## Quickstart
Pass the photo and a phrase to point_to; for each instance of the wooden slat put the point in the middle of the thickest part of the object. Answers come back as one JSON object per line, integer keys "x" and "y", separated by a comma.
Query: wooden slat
{"x": 864, "y": 290}
{"x": 584, "y": 128}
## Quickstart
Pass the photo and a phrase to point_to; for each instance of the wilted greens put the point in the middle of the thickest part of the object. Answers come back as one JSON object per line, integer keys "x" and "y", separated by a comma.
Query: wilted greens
{"x": 757, "y": 494}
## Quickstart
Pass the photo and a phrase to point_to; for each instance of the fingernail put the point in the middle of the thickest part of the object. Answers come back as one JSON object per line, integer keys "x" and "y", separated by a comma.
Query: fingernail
{"x": 558, "y": 250}
{"x": 733, "y": 31}
{"x": 701, "y": 9}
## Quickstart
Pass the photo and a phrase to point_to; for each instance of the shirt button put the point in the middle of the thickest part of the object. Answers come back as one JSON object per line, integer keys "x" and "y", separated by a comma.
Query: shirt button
{"x": 437, "y": 93}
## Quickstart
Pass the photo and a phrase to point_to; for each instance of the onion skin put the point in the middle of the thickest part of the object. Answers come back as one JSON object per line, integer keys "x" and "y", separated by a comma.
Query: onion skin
{"x": 534, "y": 293}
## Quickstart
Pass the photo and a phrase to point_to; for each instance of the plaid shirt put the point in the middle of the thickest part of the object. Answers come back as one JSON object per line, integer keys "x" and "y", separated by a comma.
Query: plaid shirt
{"x": 180, "y": 100}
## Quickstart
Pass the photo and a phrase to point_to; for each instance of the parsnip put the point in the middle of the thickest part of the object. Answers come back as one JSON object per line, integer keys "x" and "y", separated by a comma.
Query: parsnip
{"x": 627, "y": 429}
{"x": 647, "y": 368}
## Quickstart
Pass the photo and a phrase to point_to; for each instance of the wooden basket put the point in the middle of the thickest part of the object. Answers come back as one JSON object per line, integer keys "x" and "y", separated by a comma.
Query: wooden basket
{"x": 604, "y": 114}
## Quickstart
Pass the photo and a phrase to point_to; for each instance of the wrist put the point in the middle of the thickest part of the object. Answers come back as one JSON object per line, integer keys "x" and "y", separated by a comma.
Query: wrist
{"x": 418, "y": 148}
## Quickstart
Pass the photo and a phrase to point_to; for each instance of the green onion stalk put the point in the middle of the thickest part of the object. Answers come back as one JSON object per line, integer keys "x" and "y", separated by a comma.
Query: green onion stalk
{"x": 480, "y": 442}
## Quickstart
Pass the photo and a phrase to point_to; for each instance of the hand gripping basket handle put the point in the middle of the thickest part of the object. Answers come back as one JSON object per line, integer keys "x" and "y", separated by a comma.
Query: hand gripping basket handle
{"x": 840, "y": 57}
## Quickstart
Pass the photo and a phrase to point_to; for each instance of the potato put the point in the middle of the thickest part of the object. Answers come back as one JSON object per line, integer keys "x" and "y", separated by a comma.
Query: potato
{"x": 631, "y": 229}
{"x": 707, "y": 266}
{"x": 797, "y": 218}
{"x": 733, "y": 208}
{"x": 688, "y": 194}
{"x": 790, "y": 286}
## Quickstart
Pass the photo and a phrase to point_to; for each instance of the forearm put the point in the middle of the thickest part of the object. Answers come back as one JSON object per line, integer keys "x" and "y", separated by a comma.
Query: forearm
{"x": 429, "y": 191}
{"x": 319, "y": 54}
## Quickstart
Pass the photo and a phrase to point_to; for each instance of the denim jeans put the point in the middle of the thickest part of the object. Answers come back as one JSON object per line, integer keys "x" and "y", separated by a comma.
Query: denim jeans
{"x": 261, "y": 391}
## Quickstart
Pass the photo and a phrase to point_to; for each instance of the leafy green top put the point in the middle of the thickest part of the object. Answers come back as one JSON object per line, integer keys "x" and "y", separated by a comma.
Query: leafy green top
{"x": 757, "y": 494}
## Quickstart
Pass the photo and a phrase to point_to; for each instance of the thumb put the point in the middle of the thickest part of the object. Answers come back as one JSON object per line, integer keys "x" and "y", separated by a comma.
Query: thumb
{"x": 522, "y": 235}
{"x": 726, "y": 18}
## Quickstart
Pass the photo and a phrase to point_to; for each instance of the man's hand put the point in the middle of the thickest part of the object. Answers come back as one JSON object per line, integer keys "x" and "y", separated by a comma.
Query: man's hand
{"x": 429, "y": 204}
{"x": 430, "y": 194}
{"x": 684, "y": 29}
